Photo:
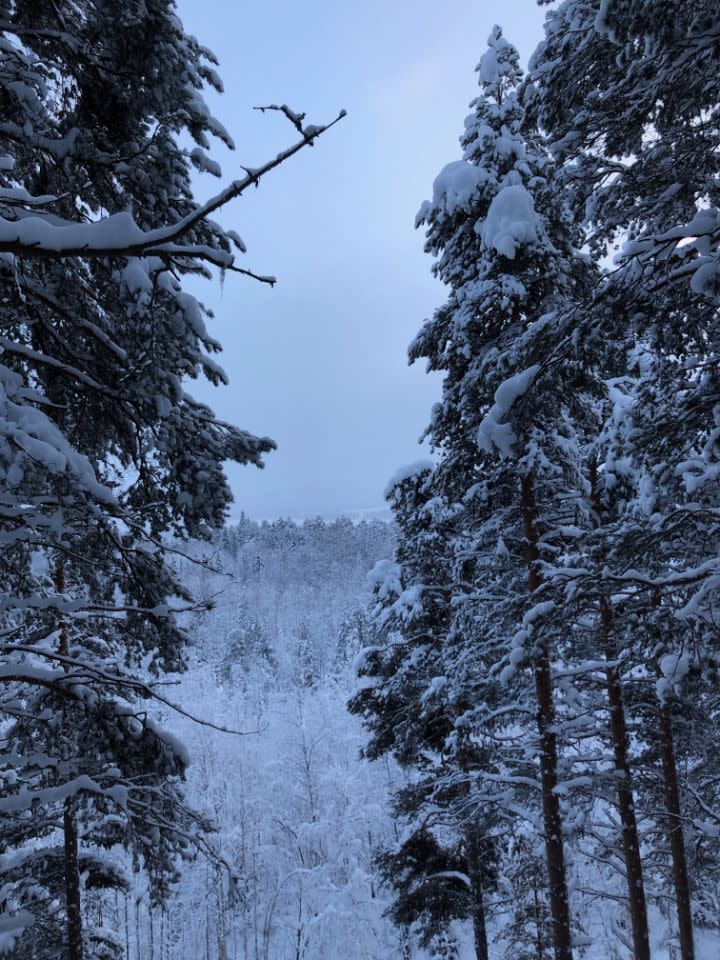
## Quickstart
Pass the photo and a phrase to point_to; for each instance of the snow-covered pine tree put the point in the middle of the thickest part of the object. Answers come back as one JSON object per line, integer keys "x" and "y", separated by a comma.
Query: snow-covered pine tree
{"x": 353, "y": 637}
{"x": 444, "y": 946}
{"x": 410, "y": 608}
{"x": 99, "y": 778}
{"x": 602, "y": 636}
{"x": 509, "y": 428}
{"x": 628, "y": 92}
{"x": 102, "y": 449}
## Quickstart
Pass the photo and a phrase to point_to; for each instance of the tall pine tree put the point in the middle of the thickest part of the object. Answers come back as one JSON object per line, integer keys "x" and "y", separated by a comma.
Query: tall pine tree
{"x": 509, "y": 429}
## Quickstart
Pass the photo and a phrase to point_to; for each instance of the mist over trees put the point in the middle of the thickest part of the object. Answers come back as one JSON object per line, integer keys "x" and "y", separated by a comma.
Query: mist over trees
{"x": 487, "y": 728}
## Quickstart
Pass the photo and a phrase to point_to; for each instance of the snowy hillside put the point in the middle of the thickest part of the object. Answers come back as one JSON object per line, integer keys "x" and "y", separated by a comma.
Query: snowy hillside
{"x": 299, "y": 814}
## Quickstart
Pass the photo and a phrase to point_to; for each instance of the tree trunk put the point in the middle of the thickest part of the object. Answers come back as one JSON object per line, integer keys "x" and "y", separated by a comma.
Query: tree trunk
{"x": 222, "y": 950}
{"x": 73, "y": 904}
{"x": 475, "y": 874}
{"x": 138, "y": 953}
{"x": 554, "y": 848}
{"x": 625, "y": 794}
{"x": 207, "y": 915}
{"x": 671, "y": 790}
{"x": 72, "y": 885}
{"x": 623, "y": 773}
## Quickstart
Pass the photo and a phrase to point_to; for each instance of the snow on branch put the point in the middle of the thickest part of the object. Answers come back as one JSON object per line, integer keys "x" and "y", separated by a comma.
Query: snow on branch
{"x": 686, "y": 252}
{"x": 119, "y": 236}
{"x": 74, "y": 672}
{"x": 494, "y": 433}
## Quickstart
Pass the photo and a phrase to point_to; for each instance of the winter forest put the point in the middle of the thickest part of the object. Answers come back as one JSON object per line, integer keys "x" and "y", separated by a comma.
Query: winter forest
{"x": 482, "y": 723}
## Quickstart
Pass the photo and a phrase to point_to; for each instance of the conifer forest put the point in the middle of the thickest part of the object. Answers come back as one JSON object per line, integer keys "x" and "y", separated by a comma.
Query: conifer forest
{"x": 477, "y": 719}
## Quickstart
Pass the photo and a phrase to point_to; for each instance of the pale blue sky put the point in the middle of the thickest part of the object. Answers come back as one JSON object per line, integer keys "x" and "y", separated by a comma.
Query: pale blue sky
{"x": 319, "y": 362}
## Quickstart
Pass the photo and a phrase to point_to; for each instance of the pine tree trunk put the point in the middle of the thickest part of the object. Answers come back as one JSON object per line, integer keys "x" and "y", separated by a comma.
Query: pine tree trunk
{"x": 671, "y": 790}
{"x": 554, "y": 847}
{"x": 625, "y": 794}
{"x": 475, "y": 873}
{"x": 623, "y": 773}
{"x": 72, "y": 885}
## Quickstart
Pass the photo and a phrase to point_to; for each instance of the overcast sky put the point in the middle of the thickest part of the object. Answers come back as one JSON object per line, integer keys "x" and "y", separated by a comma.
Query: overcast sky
{"x": 319, "y": 363}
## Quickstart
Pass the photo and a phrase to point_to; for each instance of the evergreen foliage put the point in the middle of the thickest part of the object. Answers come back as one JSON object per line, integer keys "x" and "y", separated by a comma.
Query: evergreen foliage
{"x": 103, "y": 451}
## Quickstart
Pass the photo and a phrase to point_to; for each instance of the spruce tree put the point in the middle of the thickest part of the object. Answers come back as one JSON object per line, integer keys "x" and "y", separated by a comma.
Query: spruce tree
{"x": 443, "y": 867}
{"x": 527, "y": 935}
